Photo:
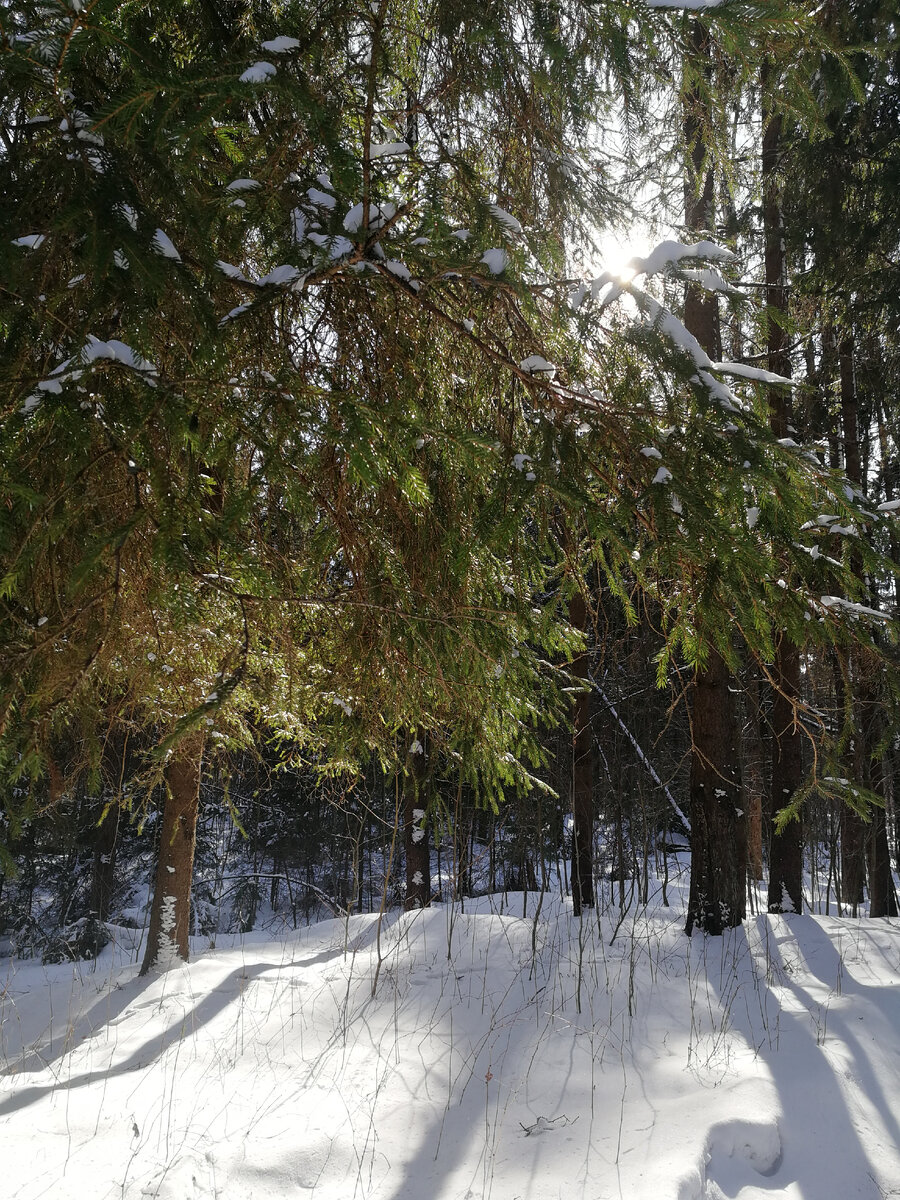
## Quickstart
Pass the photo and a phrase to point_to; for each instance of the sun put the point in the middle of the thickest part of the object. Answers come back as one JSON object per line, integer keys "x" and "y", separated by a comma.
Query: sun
{"x": 616, "y": 249}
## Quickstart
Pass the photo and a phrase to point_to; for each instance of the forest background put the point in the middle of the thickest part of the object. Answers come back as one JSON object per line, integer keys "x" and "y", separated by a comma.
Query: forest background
{"x": 359, "y": 521}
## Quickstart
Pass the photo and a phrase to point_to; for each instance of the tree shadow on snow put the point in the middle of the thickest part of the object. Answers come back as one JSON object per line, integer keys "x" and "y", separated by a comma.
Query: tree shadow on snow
{"x": 116, "y": 1007}
{"x": 822, "y": 1154}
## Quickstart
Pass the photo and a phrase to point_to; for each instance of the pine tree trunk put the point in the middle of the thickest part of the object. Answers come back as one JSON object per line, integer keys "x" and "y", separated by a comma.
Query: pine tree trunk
{"x": 853, "y": 828}
{"x": 882, "y": 860}
{"x": 870, "y": 772}
{"x": 415, "y": 830}
{"x": 170, "y": 913}
{"x": 582, "y": 773}
{"x": 882, "y": 896}
{"x": 754, "y": 784}
{"x": 786, "y": 847}
{"x": 852, "y": 859}
{"x": 718, "y": 885}
{"x": 104, "y": 864}
{"x": 463, "y": 836}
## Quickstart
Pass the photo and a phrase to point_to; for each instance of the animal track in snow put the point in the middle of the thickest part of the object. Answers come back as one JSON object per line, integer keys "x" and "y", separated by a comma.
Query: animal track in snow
{"x": 739, "y": 1155}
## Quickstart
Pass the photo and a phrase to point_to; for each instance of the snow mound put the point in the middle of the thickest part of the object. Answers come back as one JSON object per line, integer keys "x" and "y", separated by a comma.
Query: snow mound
{"x": 493, "y": 1051}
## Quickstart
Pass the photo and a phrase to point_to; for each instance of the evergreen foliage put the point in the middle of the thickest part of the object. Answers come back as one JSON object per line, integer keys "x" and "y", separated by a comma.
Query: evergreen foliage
{"x": 310, "y": 427}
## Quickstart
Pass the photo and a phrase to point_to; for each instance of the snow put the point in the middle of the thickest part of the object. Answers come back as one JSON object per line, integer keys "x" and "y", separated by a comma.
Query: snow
{"x": 853, "y": 609}
{"x": 496, "y": 260}
{"x": 93, "y": 350}
{"x": 231, "y": 270}
{"x": 711, "y": 280}
{"x": 280, "y": 45}
{"x": 663, "y": 475}
{"x": 650, "y": 452}
{"x": 755, "y": 373}
{"x": 337, "y": 246}
{"x": 116, "y": 351}
{"x": 384, "y": 149}
{"x": 128, "y": 213}
{"x": 320, "y": 198}
{"x": 168, "y": 953}
{"x": 279, "y": 276}
{"x": 420, "y": 1058}
{"x": 667, "y": 323}
{"x": 536, "y": 364}
{"x": 671, "y": 254}
{"x": 259, "y": 72}
{"x": 30, "y": 241}
{"x": 378, "y": 215}
{"x": 578, "y": 296}
{"x": 163, "y": 245}
{"x": 299, "y": 224}
{"x": 418, "y": 820}
{"x": 506, "y": 219}
{"x": 687, "y": 5}
{"x": 401, "y": 270}
{"x": 234, "y": 313}
{"x": 243, "y": 185}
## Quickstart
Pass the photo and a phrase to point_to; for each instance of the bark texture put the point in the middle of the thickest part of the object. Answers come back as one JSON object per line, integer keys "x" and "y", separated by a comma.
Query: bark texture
{"x": 104, "y": 865}
{"x": 582, "y": 773}
{"x": 854, "y": 834}
{"x": 882, "y": 896}
{"x": 170, "y": 913}
{"x": 718, "y": 889}
{"x": 755, "y": 785}
{"x": 786, "y": 847}
{"x": 869, "y": 770}
{"x": 415, "y": 832}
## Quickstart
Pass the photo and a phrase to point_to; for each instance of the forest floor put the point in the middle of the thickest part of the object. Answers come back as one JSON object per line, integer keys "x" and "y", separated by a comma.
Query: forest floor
{"x": 508, "y": 1051}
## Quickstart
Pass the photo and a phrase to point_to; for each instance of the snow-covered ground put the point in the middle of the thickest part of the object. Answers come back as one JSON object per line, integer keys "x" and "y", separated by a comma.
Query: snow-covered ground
{"x": 508, "y": 1051}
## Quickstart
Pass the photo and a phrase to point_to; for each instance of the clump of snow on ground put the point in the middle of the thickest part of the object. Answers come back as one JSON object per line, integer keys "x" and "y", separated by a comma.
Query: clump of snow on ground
{"x": 422, "y": 1056}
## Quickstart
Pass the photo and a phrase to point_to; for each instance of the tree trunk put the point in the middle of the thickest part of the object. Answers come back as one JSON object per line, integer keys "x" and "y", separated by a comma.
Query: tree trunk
{"x": 786, "y": 847}
{"x": 104, "y": 865}
{"x": 582, "y": 772}
{"x": 718, "y": 885}
{"x": 415, "y": 830}
{"x": 889, "y": 764}
{"x": 853, "y": 828}
{"x": 701, "y": 308}
{"x": 882, "y": 896}
{"x": 170, "y": 914}
{"x": 870, "y": 773}
{"x": 753, "y": 756}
